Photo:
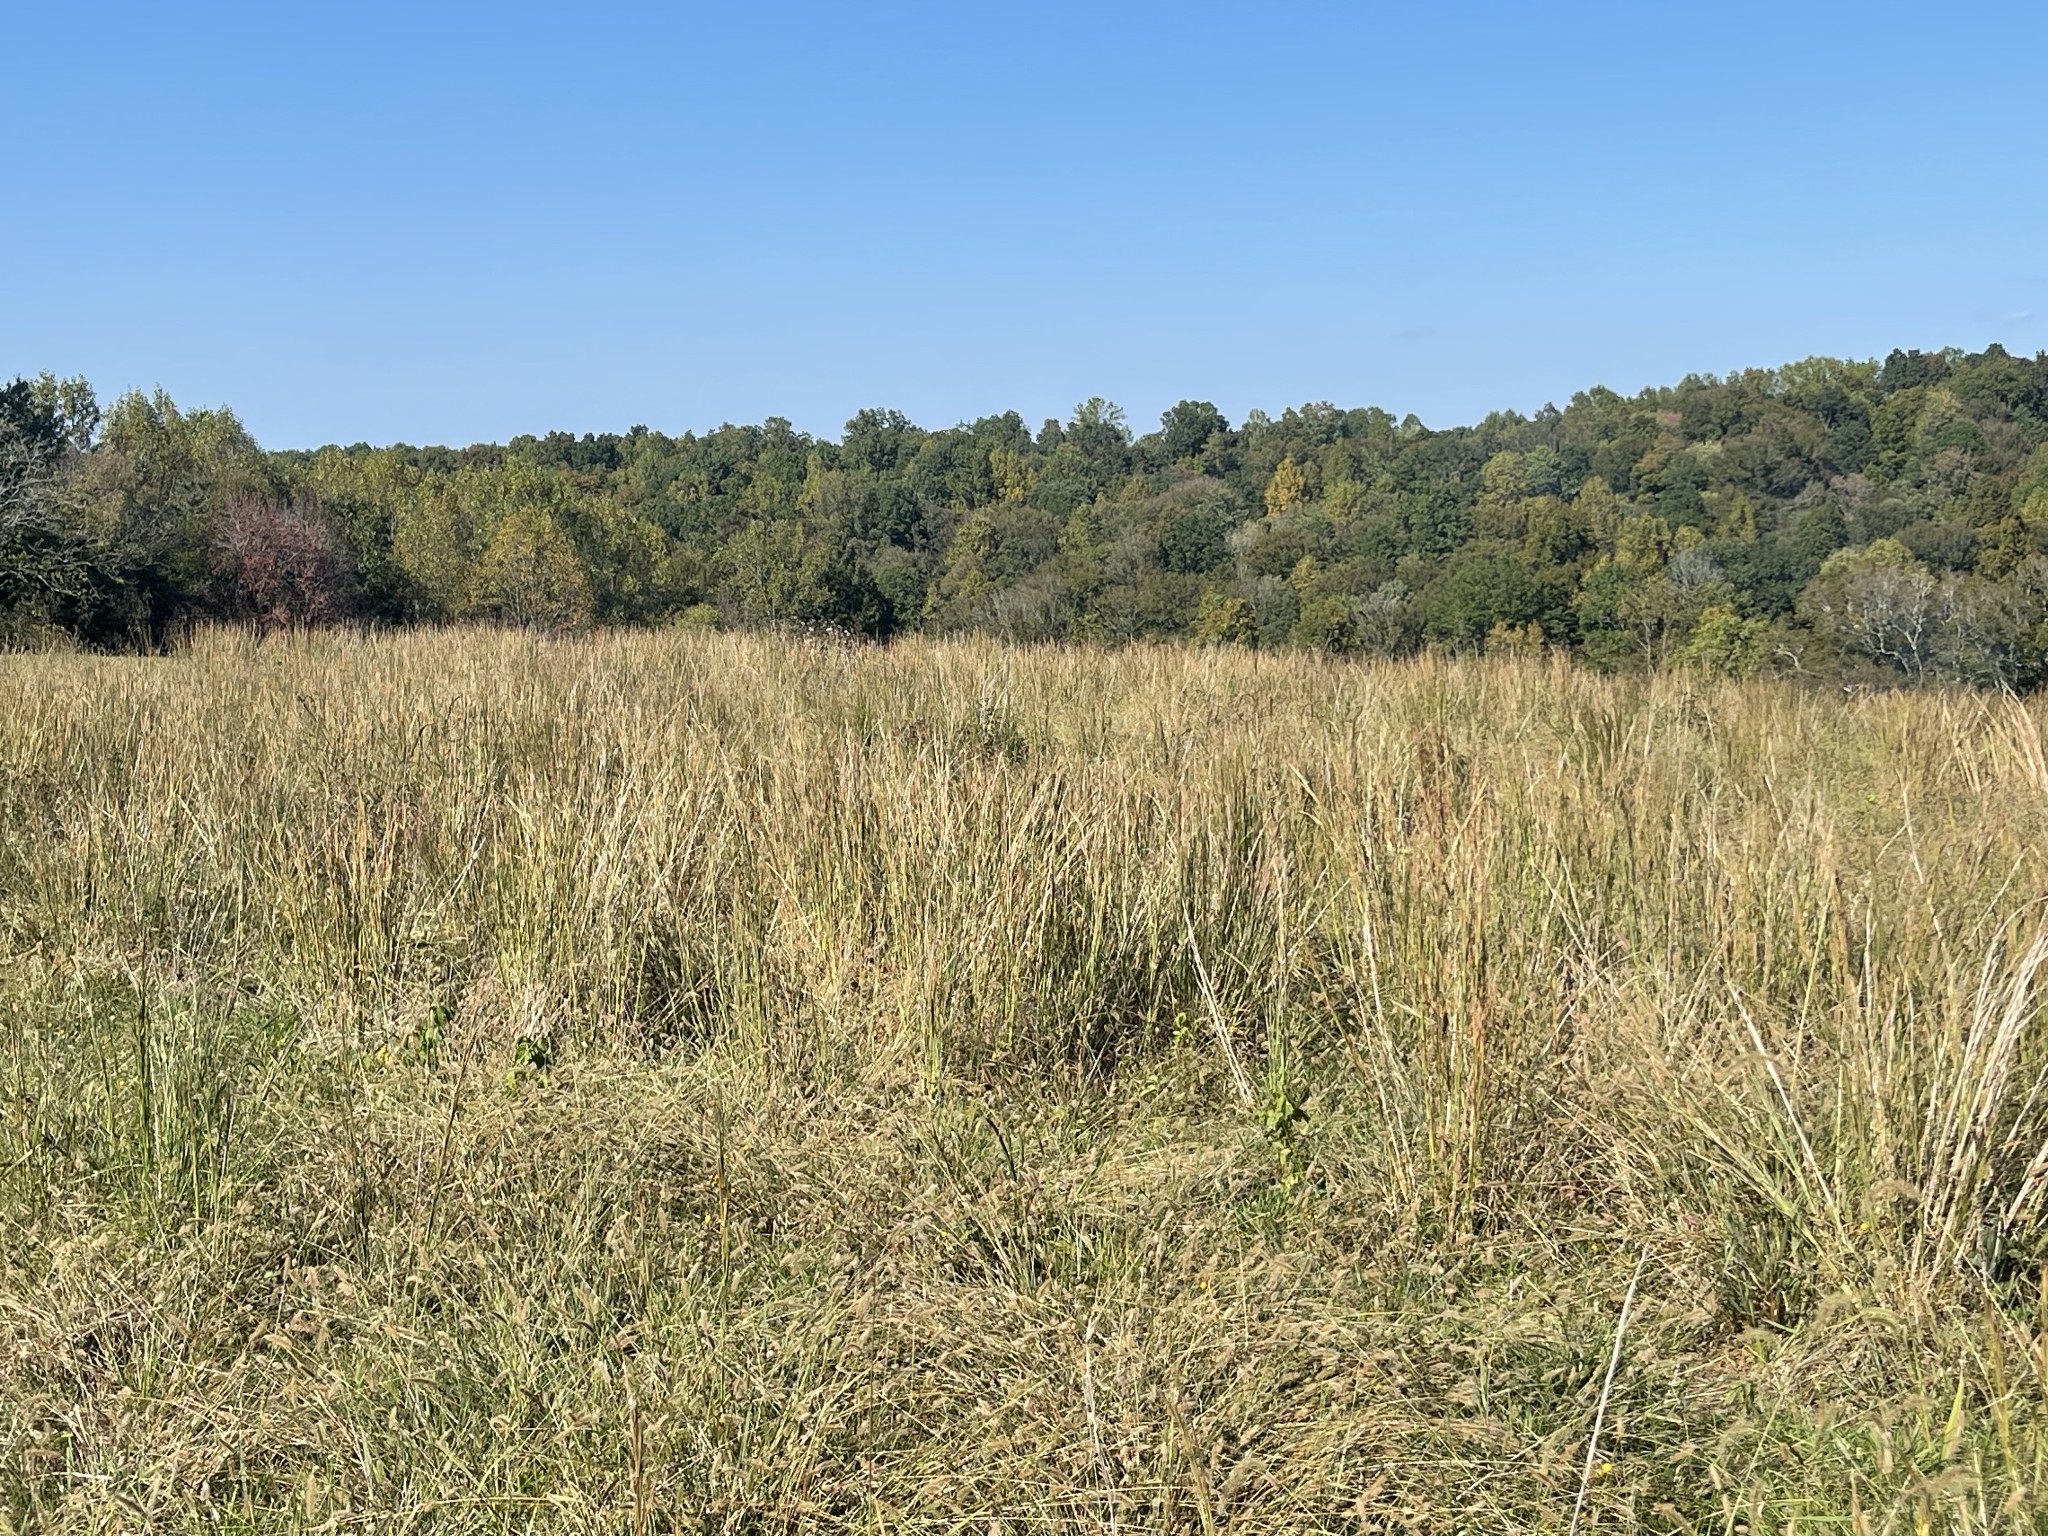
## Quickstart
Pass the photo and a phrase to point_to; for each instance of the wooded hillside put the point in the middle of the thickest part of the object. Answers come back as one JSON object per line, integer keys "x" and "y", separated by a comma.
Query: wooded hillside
{"x": 1854, "y": 519}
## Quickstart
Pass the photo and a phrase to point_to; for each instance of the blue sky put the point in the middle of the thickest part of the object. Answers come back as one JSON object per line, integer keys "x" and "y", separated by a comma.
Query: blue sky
{"x": 451, "y": 223}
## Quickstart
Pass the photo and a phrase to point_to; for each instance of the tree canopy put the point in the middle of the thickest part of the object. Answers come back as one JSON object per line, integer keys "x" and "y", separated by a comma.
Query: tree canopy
{"x": 1865, "y": 520}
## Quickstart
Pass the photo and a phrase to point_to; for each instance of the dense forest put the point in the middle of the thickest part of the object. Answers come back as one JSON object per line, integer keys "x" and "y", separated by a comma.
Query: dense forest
{"x": 1856, "y": 520}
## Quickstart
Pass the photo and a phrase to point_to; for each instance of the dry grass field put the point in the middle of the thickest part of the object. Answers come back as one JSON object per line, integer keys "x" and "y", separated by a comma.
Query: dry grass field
{"x": 469, "y": 1082}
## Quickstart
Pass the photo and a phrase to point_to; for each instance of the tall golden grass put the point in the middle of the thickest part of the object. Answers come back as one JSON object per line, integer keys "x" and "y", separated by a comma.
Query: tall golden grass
{"x": 472, "y": 1082}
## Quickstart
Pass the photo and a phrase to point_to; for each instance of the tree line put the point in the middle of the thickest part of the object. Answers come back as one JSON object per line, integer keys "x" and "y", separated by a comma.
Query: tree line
{"x": 1863, "y": 520}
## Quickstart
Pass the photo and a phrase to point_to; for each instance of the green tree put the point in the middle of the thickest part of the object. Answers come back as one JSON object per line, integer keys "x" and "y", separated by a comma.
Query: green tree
{"x": 636, "y": 575}
{"x": 45, "y": 555}
{"x": 775, "y": 573}
{"x": 1726, "y": 644}
{"x": 1554, "y": 531}
{"x": 1624, "y": 609}
{"x": 1504, "y": 487}
{"x": 530, "y": 575}
{"x": 1185, "y": 430}
{"x": 1326, "y": 624}
{"x": 434, "y": 554}
{"x": 149, "y": 492}
{"x": 1483, "y": 587}
{"x": 1643, "y": 541}
{"x": 1222, "y": 618}
{"x": 1195, "y": 540}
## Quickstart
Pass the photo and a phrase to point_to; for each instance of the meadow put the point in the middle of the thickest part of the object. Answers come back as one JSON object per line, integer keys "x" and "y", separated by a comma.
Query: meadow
{"x": 469, "y": 1081}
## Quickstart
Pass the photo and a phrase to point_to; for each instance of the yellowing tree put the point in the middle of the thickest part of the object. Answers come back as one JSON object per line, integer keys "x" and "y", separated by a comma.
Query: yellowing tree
{"x": 1013, "y": 477}
{"x": 1224, "y": 620}
{"x": 1286, "y": 488}
{"x": 1739, "y": 520}
{"x": 966, "y": 577}
{"x": 433, "y": 539}
{"x": 1499, "y": 513}
{"x": 1643, "y": 540}
{"x": 1600, "y": 508}
{"x": 1726, "y": 643}
{"x": 775, "y": 573}
{"x": 531, "y": 575}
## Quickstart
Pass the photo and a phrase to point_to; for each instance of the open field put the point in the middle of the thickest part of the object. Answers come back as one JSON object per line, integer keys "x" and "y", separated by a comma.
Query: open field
{"x": 467, "y": 1082}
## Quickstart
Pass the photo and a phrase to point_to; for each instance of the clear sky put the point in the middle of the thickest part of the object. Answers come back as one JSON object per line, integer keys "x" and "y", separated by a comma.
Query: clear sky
{"x": 449, "y": 223}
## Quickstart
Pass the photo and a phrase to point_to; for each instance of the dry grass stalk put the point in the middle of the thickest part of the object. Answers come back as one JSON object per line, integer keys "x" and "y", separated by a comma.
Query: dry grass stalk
{"x": 469, "y": 1082}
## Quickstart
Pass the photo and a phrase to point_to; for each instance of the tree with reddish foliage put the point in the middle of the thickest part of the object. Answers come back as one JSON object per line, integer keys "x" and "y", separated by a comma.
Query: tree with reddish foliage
{"x": 283, "y": 566}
